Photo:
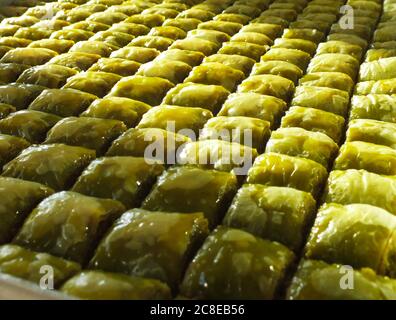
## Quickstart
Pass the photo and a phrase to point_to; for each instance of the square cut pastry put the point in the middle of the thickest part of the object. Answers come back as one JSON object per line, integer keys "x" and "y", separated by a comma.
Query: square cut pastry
{"x": 287, "y": 14}
{"x": 326, "y": 99}
{"x": 235, "y": 61}
{"x": 150, "y": 90}
{"x": 155, "y": 145}
{"x": 307, "y": 23}
{"x": 297, "y": 44}
{"x": 156, "y": 42}
{"x": 185, "y": 24}
{"x": 251, "y": 10}
{"x": 133, "y": 29}
{"x": 176, "y": 119}
{"x": 387, "y": 86}
{"x": 214, "y": 36}
{"x": 114, "y": 39}
{"x": 233, "y": 17}
{"x": 252, "y": 37}
{"x": 298, "y": 6}
{"x": 272, "y": 31}
{"x": 74, "y": 15}
{"x": 278, "y": 68}
{"x": 360, "y": 30}
{"x": 268, "y": 84}
{"x": 341, "y": 47}
{"x": 51, "y": 24}
{"x": 154, "y": 236}
{"x": 28, "y": 265}
{"x": 383, "y": 33}
{"x": 14, "y": 42}
{"x": 9, "y": 72}
{"x": 68, "y": 225}
{"x": 380, "y": 107}
{"x": 55, "y": 165}
{"x": 360, "y": 186}
{"x": 98, "y": 285}
{"x": 374, "y": 131}
{"x": 107, "y": 17}
{"x": 250, "y": 50}
{"x": 190, "y": 189}
{"x": 80, "y": 61}
{"x": 91, "y": 133}
{"x": 148, "y": 20}
{"x": 297, "y": 57}
{"x": 313, "y": 35}
{"x": 28, "y": 56}
{"x": 315, "y": 120}
{"x": 32, "y": 33}
{"x": 119, "y": 66}
{"x": 203, "y": 46}
{"x": 137, "y": 54}
{"x": 10, "y": 147}
{"x": 367, "y": 284}
{"x": 19, "y": 197}
{"x": 254, "y": 105}
{"x": 318, "y": 17}
{"x": 94, "y": 47}
{"x": 23, "y": 21}
{"x": 192, "y": 58}
{"x": 358, "y": 235}
{"x": 75, "y": 35}
{"x": 302, "y": 143}
{"x": 215, "y": 73}
{"x": 19, "y": 95}
{"x": 50, "y": 76}
{"x": 217, "y": 154}
{"x": 8, "y": 30}
{"x": 62, "y": 102}
{"x": 28, "y": 124}
{"x": 94, "y": 82}
{"x": 244, "y": 130}
{"x": 166, "y": 12}
{"x": 335, "y": 62}
{"x": 256, "y": 268}
{"x": 174, "y": 71}
{"x": 197, "y": 95}
{"x": 196, "y": 13}
{"x": 333, "y": 80}
{"x": 126, "y": 110}
{"x": 88, "y": 26}
{"x": 171, "y": 32}
{"x": 273, "y": 169}
{"x": 126, "y": 179}
{"x": 271, "y": 20}
{"x": 378, "y": 70}
{"x": 368, "y": 156}
{"x": 349, "y": 38}
{"x": 178, "y": 6}
{"x": 274, "y": 213}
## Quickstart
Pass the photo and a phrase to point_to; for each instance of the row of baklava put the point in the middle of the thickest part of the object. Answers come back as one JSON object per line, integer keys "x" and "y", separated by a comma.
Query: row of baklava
{"x": 264, "y": 224}
{"x": 355, "y": 225}
{"x": 63, "y": 164}
{"x": 57, "y": 165}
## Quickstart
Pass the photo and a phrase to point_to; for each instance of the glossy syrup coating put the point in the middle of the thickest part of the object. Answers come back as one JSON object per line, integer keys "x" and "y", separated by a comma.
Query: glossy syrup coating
{"x": 255, "y": 267}
{"x": 151, "y": 244}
